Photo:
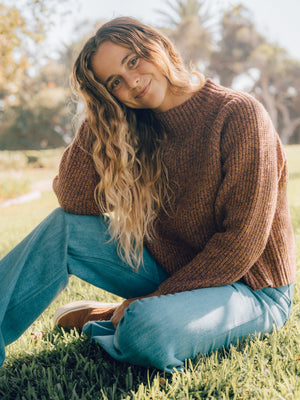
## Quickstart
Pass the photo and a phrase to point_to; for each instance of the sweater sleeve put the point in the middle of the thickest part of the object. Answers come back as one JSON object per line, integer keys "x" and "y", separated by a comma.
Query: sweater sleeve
{"x": 252, "y": 160}
{"x": 77, "y": 178}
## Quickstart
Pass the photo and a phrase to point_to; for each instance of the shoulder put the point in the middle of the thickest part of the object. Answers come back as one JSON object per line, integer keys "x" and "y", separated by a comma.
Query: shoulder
{"x": 237, "y": 102}
{"x": 241, "y": 120}
{"x": 241, "y": 111}
{"x": 222, "y": 105}
{"x": 84, "y": 138}
{"x": 244, "y": 106}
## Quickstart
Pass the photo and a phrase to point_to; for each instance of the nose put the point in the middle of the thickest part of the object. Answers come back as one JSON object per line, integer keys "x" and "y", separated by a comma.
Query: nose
{"x": 132, "y": 79}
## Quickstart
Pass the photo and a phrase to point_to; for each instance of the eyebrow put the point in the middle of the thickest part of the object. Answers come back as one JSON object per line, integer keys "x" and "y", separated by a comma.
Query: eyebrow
{"x": 122, "y": 63}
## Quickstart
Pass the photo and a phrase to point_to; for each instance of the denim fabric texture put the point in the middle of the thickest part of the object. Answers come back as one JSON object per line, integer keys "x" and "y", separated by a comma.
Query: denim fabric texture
{"x": 157, "y": 331}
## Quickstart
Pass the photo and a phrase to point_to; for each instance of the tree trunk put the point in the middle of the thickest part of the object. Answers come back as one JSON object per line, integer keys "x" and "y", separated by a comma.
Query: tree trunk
{"x": 289, "y": 125}
{"x": 288, "y": 130}
{"x": 269, "y": 100}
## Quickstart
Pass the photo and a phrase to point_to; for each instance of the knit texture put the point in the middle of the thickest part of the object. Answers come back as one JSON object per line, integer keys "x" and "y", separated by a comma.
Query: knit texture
{"x": 230, "y": 219}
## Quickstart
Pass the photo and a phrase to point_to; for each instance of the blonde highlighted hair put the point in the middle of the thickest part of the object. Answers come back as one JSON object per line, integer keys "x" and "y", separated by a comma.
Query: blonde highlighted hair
{"x": 127, "y": 143}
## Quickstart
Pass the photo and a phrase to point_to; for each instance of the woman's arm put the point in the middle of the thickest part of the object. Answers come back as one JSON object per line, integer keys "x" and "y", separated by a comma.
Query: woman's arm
{"x": 77, "y": 178}
{"x": 252, "y": 164}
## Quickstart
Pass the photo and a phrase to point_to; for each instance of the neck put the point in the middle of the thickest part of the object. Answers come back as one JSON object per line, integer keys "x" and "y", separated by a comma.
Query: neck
{"x": 175, "y": 99}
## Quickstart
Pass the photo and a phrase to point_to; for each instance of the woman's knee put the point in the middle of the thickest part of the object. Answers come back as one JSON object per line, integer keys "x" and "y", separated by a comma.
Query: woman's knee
{"x": 140, "y": 320}
{"x": 58, "y": 214}
{"x": 143, "y": 337}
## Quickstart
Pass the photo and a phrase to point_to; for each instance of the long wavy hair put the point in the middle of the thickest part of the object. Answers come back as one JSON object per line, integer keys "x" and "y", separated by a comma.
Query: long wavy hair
{"x": 127, "y": 144}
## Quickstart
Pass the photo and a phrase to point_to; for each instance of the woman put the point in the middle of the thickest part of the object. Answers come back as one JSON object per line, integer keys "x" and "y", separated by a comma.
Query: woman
{"x": 198, "y": 238}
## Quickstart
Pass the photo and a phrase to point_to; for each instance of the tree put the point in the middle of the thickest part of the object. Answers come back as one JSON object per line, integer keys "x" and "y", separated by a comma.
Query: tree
{"x": 278, "y": 87}
{"x": 34, "y": 110}
{"x": 22, "y": 27}
{"x": 41, "y": 113}
{"x": 274, "y": 77}
{"x": 188, "y": 29}
{"x": 239, "y": 38}
{"x": 39, "y": 118}
{"x": 13, "y": 60}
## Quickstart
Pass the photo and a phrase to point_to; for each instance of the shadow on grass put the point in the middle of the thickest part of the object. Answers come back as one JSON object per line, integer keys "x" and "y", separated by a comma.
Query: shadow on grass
{"x": 67, "y": 365}
{"x": 70, "y": 367}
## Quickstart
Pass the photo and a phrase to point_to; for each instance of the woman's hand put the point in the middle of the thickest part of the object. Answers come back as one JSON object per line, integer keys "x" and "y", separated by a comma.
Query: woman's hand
{"x": 119, "y": 312}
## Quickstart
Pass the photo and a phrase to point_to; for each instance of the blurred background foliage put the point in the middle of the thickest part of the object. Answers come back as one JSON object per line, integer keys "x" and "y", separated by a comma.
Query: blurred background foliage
{"x": 36, "y": 107}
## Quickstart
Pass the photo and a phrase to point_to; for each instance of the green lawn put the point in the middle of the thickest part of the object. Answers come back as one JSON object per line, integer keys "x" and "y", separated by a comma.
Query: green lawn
{"x": 48, "y": 363}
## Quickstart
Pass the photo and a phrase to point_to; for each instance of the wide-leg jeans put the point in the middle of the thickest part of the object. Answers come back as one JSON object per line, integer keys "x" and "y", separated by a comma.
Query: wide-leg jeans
{"x": 157, "y": 331}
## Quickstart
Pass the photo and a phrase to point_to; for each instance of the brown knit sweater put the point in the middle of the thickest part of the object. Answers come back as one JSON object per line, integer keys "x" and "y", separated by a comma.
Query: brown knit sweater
{"x": 230, "y": 219}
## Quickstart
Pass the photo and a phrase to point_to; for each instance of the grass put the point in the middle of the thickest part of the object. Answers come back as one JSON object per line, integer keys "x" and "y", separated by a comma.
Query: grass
{"x": 48, "y": 363}
{"x": 13, "y": 187}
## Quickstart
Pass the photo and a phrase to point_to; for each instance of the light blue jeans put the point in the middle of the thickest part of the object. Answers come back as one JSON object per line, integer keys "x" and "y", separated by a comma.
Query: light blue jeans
{"x": 158, "y": 331}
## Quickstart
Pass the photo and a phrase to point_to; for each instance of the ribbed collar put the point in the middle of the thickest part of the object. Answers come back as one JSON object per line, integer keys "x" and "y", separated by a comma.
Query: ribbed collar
{"x": 180, "y": 119}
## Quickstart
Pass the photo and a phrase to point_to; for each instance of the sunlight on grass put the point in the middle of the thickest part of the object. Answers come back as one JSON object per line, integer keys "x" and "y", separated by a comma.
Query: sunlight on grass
{"x": 48, "y": 363}
{"x": 13, "y": 187}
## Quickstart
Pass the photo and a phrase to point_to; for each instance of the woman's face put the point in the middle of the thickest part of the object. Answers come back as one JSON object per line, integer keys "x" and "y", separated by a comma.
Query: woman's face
{"x": 134, "y": 81}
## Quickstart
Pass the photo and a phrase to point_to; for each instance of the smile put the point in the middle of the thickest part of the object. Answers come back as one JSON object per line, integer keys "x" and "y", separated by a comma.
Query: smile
{"x": 144, "y": 91}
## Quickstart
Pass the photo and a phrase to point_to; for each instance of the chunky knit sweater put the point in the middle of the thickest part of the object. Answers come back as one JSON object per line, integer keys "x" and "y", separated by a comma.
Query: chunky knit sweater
{"x": 230, "y": 219}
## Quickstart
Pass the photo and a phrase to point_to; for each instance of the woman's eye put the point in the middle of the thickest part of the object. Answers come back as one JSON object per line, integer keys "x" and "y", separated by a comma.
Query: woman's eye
{"x": 133, "y": 61}
{"x": 115, "y": 83}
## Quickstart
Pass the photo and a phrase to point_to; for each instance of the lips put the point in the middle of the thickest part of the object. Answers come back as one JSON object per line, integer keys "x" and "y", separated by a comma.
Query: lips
{"x": 144, "y": 91}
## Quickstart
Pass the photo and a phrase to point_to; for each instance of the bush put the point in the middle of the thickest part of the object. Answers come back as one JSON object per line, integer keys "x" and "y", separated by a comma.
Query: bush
{"x": 18, "y": 160}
